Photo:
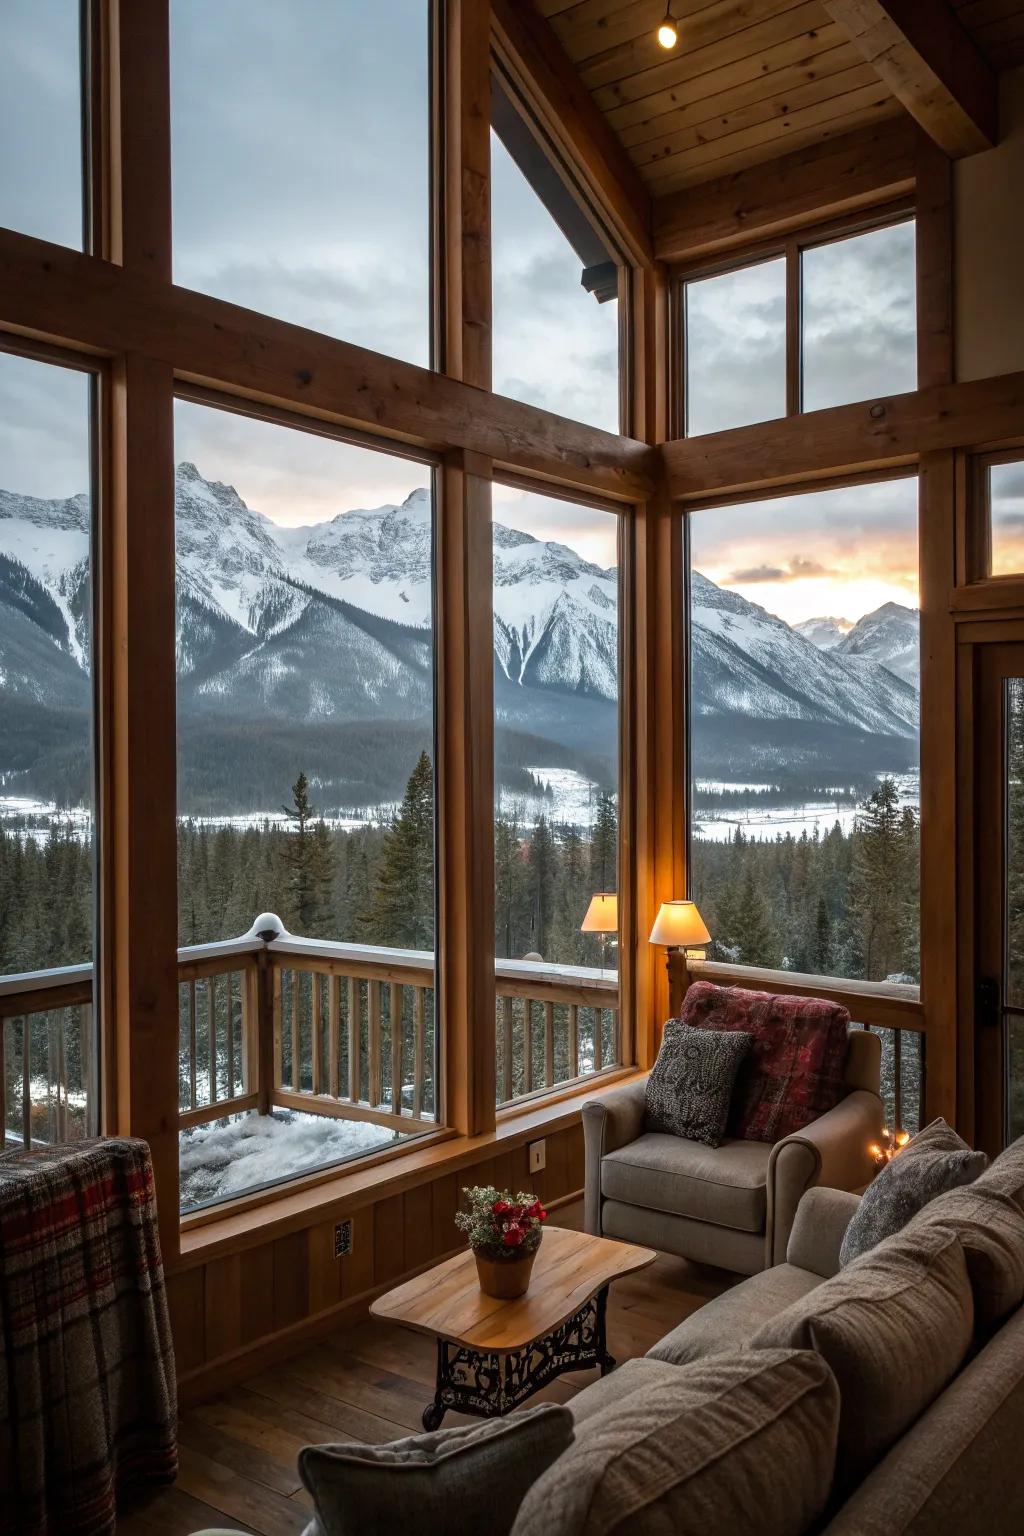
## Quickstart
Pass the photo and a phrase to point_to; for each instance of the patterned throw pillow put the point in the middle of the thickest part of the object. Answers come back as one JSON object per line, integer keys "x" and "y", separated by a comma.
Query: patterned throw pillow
{"x": 690, "y": 1086}
{"x": 934, "y": 1162}
{"x": 794, "y": 1072}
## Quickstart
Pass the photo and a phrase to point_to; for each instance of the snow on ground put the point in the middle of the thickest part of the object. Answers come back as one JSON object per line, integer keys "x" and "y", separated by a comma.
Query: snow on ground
{"x": 244, "y": 1152}
{"x": 769, "y": 822}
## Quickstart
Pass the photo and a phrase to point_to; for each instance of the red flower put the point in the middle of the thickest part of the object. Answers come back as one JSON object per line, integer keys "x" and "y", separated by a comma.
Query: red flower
{"x": 513, "y": 1236}
{"x": 537, "y": 1211}
{"x": 501, "y": 1207}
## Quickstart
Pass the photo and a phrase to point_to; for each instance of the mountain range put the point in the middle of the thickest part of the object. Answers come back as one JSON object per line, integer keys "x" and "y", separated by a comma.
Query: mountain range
{"x": 310, "y": 647}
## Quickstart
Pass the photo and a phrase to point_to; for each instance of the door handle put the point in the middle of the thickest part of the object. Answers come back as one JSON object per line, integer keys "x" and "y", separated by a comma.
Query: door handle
{"x": 986, "y": 1002}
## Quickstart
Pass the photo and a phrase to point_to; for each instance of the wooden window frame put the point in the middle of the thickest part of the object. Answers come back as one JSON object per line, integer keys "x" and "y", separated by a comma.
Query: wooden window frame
{"x": 790, "y": 249}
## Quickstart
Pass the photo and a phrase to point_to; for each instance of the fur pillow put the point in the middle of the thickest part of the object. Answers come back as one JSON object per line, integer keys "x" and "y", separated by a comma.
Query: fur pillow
{"x": 934, "y": 1162}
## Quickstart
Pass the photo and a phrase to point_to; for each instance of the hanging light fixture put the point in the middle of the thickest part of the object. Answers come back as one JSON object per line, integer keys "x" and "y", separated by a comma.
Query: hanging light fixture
{"x": 668, "y": 32}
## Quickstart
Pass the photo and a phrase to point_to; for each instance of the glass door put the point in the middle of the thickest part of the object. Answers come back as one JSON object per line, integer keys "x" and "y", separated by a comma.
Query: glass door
{"x": 999, "y": 893}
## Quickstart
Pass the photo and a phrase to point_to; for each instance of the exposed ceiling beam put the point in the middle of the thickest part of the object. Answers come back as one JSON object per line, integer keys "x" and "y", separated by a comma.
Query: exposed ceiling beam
{"x": 62, "y": 296}
{"x": 931, "y": 64}
{"x": 872, "y": 165}
{"x": 847, "y": 439}
{"x": 529, "y": 48}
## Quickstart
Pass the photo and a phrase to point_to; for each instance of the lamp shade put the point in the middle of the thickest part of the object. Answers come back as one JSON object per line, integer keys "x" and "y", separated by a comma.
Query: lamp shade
{"x": 602, "y": 914}
{"x": 678, "y": 924}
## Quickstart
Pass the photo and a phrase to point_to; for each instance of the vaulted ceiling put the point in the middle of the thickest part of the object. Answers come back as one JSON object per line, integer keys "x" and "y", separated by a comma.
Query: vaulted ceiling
{"x": 752, "y": 79}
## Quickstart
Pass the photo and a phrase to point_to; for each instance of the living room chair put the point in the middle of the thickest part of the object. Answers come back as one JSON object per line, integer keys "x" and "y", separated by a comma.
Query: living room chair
{"x": 733, "y": 1205}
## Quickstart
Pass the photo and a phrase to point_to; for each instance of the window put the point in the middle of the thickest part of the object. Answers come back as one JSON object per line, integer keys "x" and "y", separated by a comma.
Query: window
{"x": 859, "y": 317}
{"x": 306, "y": 791}
{"x": 41, "y": 119}
{"x": 555, "y": 344}
{"x": 556, "y": 812}
{"x": 748, "y": 358}
{"x": 735, "y": 328}
{"x": 301, "y": 160}
{"x": 804, "y": 719}
{"x": 1005, "y": 497}
{"x": 47, "y": 845}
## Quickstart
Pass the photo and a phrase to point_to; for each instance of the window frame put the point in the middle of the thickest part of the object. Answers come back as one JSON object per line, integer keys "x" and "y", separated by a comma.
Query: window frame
{"x": 790, "y": 248}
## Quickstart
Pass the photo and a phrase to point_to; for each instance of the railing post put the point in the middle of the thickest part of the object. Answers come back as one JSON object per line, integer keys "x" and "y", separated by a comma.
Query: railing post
{"x": 259, "y": 1032}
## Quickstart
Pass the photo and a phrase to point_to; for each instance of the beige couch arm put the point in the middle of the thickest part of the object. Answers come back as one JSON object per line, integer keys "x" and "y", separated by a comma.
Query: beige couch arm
{"x": 610, "y": 1122}
{"x": 822, "y": 1218}
{"x": 832, "y": 1150}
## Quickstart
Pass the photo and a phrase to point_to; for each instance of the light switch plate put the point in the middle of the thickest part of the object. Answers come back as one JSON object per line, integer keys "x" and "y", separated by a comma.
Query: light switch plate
{"x": 538, "y": 1156}
{"x": 343, "y": 1238}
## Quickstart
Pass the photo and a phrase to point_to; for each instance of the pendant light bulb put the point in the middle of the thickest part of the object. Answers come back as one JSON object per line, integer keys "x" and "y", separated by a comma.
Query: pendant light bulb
{"x": 668, "y": 33}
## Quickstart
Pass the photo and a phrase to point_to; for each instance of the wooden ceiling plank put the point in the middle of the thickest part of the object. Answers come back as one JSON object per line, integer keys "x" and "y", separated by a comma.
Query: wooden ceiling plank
{"x": 766, "y": 152}
{"x": 771, "y": 131}
{"x": 650, "y": 111}
{"x": 556, "y": 93}
{"x": 644, "y": 138}
{"x": 599, "y": 26}
{"x": 853, "y": 171}
{"x": 722, "y": 20}
{"x": 981, "y": 13}
{"x": 751, "y": 42}
{"x": 931, "y": 64}
{"x": 776, "y": 110}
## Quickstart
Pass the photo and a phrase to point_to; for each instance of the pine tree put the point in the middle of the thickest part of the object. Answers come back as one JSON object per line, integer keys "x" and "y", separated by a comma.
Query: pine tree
{"x": 306, "y": 865}
{"x": 403, "y": 903}
{"x": 884, "y": 851}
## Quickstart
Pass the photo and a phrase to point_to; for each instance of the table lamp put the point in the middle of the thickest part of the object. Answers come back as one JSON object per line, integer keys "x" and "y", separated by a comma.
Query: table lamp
{"x": 679, "y": 925}
{"x": 602, "y": 918}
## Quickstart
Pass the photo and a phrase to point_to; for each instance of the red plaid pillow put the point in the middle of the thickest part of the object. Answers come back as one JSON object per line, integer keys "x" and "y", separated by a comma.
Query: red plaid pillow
{"x": 794, "y": 1071}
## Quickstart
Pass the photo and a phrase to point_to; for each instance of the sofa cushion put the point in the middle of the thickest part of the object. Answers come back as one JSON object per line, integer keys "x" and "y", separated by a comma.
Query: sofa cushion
{"x": 957, "y": 1469}
{"x": 640, "y": 1374}
{"x": 794, "y": 1072}
{"x": 689, "y": 1089}
{"x": 990, "y": 1227}
{"x": 730, "y": 1321}
{"x": 724, "y": 1185}
{"x": 482, "y": 1471}
{"x": 894, "y": 1327}
{"x": 1007, "y": 1172}
{"x": 739, "y": 1444}
{"x": 933, "y": 1163}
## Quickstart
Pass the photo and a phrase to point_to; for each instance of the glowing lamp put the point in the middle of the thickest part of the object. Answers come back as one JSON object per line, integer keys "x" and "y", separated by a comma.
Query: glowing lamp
{"x": 668, "y": 33}
{"x": 602, "y": 914}
{"x": 679, "y": 925}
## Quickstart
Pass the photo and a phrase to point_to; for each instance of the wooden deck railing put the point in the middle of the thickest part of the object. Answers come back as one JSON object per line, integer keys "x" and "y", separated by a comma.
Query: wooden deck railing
{"x": 47, "y": 1060}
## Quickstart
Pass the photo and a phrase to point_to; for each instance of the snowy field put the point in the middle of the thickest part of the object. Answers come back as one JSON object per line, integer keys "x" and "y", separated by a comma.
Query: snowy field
{"x": 765, "y": 823}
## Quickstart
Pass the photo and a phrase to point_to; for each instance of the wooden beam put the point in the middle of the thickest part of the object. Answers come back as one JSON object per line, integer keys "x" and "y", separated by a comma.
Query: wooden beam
{"x": 530, "y": 50}
{"x": 847, "y": 439}
{"x": 138, "y": 222}
{"x": 934, "y": 277}
{"x": 931, "y": 64}
{"x": 872, "y": 166}
{"x": 465, "y": 245}
{"x": 465, "y": 794}
{"x": 52, "y": 293}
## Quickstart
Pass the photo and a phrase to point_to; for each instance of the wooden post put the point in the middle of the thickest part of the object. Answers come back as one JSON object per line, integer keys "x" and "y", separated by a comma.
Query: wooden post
{"x": 463, "y": 239}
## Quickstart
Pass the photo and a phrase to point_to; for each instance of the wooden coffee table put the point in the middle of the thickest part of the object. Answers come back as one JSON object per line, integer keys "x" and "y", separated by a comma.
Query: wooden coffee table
{"x": 492, "y": 1355}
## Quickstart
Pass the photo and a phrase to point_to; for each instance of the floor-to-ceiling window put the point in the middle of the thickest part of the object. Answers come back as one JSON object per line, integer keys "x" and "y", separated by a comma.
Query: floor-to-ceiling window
{"x": 556, "y": 788}
{"x": 304, "y": 572}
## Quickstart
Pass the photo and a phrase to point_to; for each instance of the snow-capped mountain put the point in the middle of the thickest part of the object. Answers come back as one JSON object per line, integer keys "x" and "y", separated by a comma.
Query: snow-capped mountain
{"x": 315, "y": 641}
{"x": 824, "y": 632}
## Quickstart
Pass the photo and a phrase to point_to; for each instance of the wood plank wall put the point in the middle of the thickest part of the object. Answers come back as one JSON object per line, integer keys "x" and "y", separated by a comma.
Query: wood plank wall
{"x": 242, "y": 1309}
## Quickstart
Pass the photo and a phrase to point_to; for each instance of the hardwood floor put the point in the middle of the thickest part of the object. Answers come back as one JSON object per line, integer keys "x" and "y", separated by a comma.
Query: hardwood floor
{"x": 370, "y": 1382}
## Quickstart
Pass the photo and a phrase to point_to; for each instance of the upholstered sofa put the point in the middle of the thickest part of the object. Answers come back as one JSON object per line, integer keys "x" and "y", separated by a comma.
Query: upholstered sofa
{"x": 733, "y": 1205}
{"x": 883, "y": 1399}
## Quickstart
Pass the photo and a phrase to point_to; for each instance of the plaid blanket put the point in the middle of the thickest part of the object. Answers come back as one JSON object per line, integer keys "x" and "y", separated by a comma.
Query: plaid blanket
{"x": 87, "y": 1391}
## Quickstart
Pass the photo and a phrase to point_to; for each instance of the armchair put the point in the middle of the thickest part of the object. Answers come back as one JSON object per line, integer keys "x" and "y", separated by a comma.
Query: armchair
{"x": 733, "y": 1205}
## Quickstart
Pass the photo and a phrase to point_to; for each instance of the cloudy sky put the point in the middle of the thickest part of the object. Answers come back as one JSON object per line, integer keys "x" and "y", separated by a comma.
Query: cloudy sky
{"x": 300, "y": 159}
{"x": 1006, "y": 487}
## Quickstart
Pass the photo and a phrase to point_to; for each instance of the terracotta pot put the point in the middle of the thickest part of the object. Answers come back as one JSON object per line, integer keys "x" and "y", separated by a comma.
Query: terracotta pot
{"x": 504, "y": 1279}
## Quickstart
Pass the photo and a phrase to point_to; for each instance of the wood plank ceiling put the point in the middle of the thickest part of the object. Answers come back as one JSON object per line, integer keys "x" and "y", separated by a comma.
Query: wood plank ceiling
{"x": 749, "y": 80}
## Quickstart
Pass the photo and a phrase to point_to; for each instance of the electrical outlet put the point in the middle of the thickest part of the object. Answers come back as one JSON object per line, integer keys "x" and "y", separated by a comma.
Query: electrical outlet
{"x": 342, "y": 1238}
{"x": 538, "y": 1155}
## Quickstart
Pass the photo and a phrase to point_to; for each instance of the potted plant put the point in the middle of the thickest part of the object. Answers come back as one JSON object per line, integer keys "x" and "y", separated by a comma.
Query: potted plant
{"x": 504, "y": 1232}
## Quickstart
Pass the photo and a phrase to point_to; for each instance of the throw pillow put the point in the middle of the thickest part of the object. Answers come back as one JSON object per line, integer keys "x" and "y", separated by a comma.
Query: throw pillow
{"x": 690, "y": 1086}
{"x": 990, "y": 1226}
{"x": 934, "y": 1162}
{"x": 894, "y": 1328}
{"x": 731, "y": 1446}
{"x": 794, "y": 1072}
{"x": 473, "y": 1477}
